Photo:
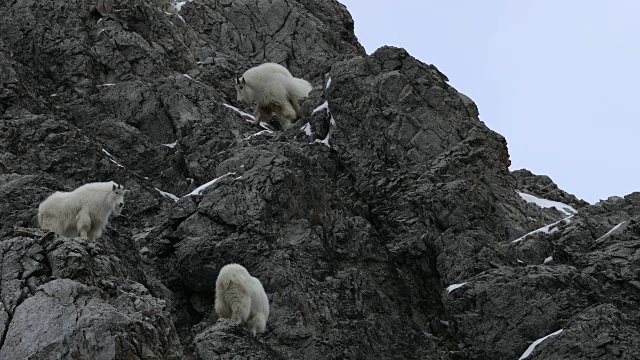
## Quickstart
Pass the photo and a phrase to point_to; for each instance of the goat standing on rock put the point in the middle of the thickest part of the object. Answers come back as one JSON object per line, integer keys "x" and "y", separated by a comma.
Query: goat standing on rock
{"x": 241, "y": 297}
{"x": 83, "y": 211}
{"x": 272, "y": 88}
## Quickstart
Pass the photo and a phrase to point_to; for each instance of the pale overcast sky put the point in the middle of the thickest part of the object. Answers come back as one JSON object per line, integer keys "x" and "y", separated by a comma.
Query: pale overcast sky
{"x": 558, "y": 79}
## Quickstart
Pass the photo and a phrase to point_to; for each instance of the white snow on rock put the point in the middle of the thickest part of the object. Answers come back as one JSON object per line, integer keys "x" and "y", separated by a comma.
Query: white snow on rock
{"x": 544, "y": 203}
{"x": 168, "y": 195}
{"x": 325, "y": 105}
{"x": 180, "y": 4}
{"x": 548, "y": 229}
{"x": 263, "y": 124}
{"x": 536, "y": 343}
{"x": 263, "y": 132}
{"x": 610, "y": 231}
{"x": 548, "y": 260}
{"x": 111, "y": 158}
{"x": 190, "y": 77}
{"x": 107, "y": 85}
{"x": 450, "y": 288}
{"x": 239, "y": 111}
{"x": 107, "y": 153}
{"x": 172, "y": 145}
{"x": 307, "y": 129}
{"x": 201, "y": 188}
{"x": 328, "y": 83}
{"x": 325, "y": 141}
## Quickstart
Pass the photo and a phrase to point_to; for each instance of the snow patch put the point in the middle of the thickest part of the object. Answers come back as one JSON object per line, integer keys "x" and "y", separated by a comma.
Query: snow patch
{"x": 239, "y": 111}
{"x": 263, "y": 124}
{"x": 263, "y": 132}
{"x": 325, "y": 141}
{"x": 107, "y": 85}
{"x": 536, "y": 343}
{"x": 544, "y": 203}
{"x": 201, "y": 188}
{"x": 180, "y": 4}
{"x": 328, "y": 83}
{"x": 168, "y": 195}
{"x": 111, "y": 158}
{"x": 548, "y": 260}
{"x": 172, "y": 145}
{"x": 107, "y": 153}
{"x": 325, "y": 105}
{"x": 190, "y": 77}
{"x": 548, "y": 229}
{"x": 53, "y": 95}
{"x": 610, "y": 231}
{"x": 307, "y": 129}
{"x": 450, "y": 288}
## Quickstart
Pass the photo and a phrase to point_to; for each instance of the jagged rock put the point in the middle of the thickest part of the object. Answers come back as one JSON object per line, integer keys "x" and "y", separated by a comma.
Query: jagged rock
{"x": 227, "y": 340}
{"x": 498, "y": 313}
{"x": 542, "y": 186}
{"x": 24, "y": 268}
{"x": 600, "y": 332}
{"x": 79, "y": 324}
{"x": 356, "y": 228}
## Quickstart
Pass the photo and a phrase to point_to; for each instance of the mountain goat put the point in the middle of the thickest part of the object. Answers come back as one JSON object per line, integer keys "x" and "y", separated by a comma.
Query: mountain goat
{"x": 83, "y": 211}
{"x": 272, "y": 89}
{"x": 241, "y": 297}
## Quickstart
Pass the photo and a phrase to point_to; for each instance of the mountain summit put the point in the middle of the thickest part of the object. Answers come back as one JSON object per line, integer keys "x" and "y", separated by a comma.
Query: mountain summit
{"x": 385, "y": 224}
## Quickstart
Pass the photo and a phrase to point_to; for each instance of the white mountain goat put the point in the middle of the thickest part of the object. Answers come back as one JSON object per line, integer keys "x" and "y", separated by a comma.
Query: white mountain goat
{"x": 272, "y": 89}
{"x": 83, "y": 211}
{"x": 241, "y": 297}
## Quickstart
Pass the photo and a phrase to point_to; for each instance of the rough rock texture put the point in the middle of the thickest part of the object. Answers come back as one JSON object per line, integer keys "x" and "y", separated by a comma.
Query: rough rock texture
{"x": 356, "y": 220}
{"x": 542, "y": 186}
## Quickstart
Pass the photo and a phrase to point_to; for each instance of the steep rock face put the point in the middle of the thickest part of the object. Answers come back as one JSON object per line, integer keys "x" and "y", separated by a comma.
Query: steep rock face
{"x": 357, "y": 219}
{"x": 584, "y": 269}
{"x": 89, "y": 328}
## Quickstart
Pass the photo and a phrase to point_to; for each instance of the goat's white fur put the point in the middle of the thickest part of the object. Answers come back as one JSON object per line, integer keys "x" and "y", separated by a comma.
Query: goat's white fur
{"x": 271, "y": 88}
{"x": 83, "y": 211}
{"x": 241, "y": 297}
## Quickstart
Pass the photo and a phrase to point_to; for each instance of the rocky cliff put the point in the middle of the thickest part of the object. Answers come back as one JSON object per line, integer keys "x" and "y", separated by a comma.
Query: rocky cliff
{"x": 389, "y": 228}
